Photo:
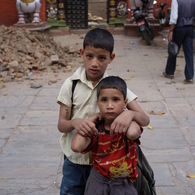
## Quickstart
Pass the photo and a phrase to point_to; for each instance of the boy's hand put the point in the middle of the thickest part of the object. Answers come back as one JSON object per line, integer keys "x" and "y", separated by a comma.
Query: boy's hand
{"x": 121, "y": 122}
{"x": 85, "y": 127}
{"x": 95, "y": 118}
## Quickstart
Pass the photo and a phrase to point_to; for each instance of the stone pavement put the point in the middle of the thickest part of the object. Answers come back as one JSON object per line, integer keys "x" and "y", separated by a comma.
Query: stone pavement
{"x": 30, "y": 154}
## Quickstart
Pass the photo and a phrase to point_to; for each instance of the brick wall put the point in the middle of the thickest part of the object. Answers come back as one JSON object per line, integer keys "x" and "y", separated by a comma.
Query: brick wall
{"x": 9, "y": 14}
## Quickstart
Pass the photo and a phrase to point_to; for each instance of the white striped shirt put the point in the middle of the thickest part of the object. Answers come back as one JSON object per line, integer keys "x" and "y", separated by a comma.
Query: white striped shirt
{"x": 174, "y": 12}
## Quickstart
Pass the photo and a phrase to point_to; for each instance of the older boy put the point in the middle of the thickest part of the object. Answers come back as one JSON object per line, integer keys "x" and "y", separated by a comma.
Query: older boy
{"x": 97, "y": 53}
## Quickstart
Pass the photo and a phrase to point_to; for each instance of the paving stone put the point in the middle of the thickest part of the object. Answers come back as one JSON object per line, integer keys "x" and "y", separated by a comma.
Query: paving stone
{"x": 10, "y": 121}
{"x": 162, "y": 175}
{"x": 2, "y": 142}
{"x": 167, "y": 156}
{"x": 171, "y": 139}
{"x": 178, "y": 190}
{"x": 11, "y": 101}
{"x": 188, "y": 120}
{"x": 163, "y": 121}
{"x": 184, "y": 168}
{"x": 5, "y": 133}
{"x": 189, "y": 135}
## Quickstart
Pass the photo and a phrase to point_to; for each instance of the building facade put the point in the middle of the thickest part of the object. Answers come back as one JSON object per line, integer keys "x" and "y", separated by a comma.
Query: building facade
{"x": 72, "y": 13}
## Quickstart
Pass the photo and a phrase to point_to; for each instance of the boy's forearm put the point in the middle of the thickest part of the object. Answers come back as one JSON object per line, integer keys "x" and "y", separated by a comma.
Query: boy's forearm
{"x": 64, "y": 122}
{"x": 84, "y": 127}
{"x": 79, "y": 143}
{"x": 137, "y": 114}
{"x": 141, "y": 118}
{"x": 134, "y": 131}
{"x": 65, "y": 126}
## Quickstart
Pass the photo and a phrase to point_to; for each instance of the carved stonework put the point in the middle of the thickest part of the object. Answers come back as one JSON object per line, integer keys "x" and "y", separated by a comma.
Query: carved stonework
{"x": 28, "y": 11}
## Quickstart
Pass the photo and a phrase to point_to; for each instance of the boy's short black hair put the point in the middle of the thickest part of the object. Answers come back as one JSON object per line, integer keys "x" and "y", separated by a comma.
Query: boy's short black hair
{"x": 114, "y": 82}
{"x": 99, "y": 38}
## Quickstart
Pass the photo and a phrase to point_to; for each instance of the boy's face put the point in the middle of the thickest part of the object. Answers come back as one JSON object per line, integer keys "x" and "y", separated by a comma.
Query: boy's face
{"x": 95, "y": 61}
{"x": 111, "y": 103}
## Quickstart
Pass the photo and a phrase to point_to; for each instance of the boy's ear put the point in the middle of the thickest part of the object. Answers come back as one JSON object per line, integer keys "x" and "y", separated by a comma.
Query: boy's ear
{"x": 97, "y": 102}
{"x": 126, "y": 101}
{"x": 81, "y": 53}
{"x": 112, "y": 56}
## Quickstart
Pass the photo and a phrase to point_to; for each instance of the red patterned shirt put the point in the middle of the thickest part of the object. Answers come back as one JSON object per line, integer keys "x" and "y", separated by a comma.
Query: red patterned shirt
{"x": 113, "y": 156}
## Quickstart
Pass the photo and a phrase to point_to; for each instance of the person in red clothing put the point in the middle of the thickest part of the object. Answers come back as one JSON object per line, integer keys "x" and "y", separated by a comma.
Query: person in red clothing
{"x": 114, "y": 155}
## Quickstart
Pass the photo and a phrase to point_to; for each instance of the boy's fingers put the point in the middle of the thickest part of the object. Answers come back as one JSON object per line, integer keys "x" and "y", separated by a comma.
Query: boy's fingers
{"x": 84, "y": 132}
{"x": 118, "y": 129}
{"x": 122, "y": 129}
{"x": 112, "y": 129}
{"x": 89, "y": 129}
{"x": 94, "y": 130}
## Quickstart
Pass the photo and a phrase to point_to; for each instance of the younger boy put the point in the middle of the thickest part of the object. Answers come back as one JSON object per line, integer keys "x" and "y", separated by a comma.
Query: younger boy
{"x": 97, "y": 53}
{"x": 114, "y": 156}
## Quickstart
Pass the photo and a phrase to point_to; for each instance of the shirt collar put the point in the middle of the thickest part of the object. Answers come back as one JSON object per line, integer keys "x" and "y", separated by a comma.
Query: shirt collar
{"x": 80, "y": 74}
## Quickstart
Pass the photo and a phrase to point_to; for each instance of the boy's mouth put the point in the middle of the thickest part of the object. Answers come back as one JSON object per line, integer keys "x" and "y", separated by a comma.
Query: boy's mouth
{"x": 93, "y": 71}
{"x": 110, "y": 113}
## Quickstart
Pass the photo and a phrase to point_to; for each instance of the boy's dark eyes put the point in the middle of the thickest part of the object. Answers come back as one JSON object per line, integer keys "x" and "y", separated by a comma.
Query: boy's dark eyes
{"x": 103, "y": 100}
{"x": 115, "y": 99}
{"x": 89, "y": 56}
{"x": 101, "y": 58}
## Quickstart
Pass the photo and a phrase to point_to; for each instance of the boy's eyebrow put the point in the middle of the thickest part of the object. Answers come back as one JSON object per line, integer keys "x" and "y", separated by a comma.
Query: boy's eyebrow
{"x": 102, "y": 54}
{"x": 111, "y": 96}
{"x": 88, "y": 53}
{"x": 99, "y": 55}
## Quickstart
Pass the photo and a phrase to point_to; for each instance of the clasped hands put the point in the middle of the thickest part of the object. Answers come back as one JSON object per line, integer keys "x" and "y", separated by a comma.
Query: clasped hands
{"x": 87, "y": 127}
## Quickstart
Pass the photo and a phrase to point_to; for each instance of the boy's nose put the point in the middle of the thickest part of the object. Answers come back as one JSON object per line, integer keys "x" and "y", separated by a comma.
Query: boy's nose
{"x": 109, "y": 105}
{"x": 95, "y": 62}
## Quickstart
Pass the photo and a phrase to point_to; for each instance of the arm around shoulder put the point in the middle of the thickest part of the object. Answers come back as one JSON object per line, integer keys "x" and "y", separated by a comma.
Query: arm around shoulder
{"x": 138, "y": 114}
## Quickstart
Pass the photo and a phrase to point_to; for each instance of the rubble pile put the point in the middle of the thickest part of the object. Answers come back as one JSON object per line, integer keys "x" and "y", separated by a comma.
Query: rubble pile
{"x": 23, "y": 51}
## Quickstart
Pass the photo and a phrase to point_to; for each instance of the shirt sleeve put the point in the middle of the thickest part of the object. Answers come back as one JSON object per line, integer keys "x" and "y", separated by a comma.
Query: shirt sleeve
{"x": 131, "y": 96}
{"x": 65, "y": 93}
{"x": 174, "y": 12}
